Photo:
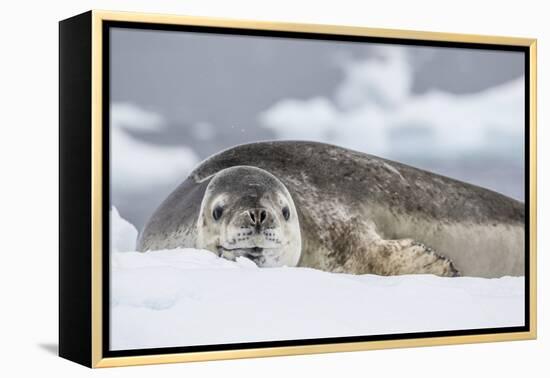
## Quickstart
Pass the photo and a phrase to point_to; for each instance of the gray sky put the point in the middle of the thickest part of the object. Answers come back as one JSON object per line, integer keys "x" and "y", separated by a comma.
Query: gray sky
{"x": 227, "y": 81}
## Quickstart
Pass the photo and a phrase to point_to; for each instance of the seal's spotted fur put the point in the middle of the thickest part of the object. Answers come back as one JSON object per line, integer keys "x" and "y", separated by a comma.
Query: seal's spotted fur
{"x": 362, "y": 214}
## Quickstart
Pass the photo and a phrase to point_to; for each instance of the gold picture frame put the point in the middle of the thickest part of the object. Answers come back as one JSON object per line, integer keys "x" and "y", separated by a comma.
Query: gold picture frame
{"x": 89, "y": 328}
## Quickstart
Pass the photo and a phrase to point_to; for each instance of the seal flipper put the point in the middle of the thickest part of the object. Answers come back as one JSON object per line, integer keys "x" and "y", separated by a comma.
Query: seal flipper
{"x": 407, "y": 256}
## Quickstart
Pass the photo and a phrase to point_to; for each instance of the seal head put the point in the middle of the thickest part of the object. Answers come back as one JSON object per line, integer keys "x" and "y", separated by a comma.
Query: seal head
{"x": 248, "y": 212}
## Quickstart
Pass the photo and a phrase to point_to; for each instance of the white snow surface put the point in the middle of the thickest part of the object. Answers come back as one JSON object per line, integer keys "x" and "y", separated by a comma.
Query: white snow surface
{"x": 125, "y": 235}
{"x": 184, "y": 297}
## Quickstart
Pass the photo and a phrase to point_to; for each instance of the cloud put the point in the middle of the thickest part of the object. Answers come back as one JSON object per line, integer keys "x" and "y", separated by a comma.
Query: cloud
{"x": 139, "y": 166}
{"x": 385, "y": 79}
{"x": 375, "y": 111}
{"x": 131, "y": 117}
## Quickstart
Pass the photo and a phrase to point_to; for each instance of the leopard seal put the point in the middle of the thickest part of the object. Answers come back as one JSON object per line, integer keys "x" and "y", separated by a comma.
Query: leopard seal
{"x": 310, "y": 204}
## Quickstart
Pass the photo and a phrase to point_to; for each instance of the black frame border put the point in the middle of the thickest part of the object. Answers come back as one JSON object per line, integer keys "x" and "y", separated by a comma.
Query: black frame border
{"x": 107, "y": 25}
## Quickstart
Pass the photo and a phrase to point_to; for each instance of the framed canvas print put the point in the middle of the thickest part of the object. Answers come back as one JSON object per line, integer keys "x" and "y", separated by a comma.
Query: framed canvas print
{"x": 235, "y": 189}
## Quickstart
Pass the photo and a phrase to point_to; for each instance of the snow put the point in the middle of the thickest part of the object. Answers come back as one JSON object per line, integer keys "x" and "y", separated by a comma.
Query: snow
{"x": 184, "y": 297}
{"x": 125, "y": 235}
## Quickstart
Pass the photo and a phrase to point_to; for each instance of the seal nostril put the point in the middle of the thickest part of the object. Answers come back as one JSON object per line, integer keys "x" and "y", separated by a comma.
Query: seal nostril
{"x": 263, "y": 216}
{"x": 257, "y": 216}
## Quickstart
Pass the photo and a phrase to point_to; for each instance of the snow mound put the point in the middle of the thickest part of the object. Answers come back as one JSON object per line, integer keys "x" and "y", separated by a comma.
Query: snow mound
{"x": 184, "y": 297}
{"x": 124, "y": 235}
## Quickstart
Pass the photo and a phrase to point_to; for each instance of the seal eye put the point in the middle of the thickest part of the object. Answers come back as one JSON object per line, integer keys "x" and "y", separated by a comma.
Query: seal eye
{"x": 286, "y": 212}
{"x": 217, "y": 213}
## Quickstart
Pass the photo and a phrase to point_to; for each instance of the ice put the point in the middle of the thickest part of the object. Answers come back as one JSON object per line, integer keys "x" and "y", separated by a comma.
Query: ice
{"x": 124, "y": 235}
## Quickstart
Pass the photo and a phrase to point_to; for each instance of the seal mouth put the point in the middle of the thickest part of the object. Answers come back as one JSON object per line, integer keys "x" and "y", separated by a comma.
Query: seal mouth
{"x": 255, "y": 251}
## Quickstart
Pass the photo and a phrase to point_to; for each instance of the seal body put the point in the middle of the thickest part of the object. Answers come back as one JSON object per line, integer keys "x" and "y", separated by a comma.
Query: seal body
{"x": 347, "y": 212}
